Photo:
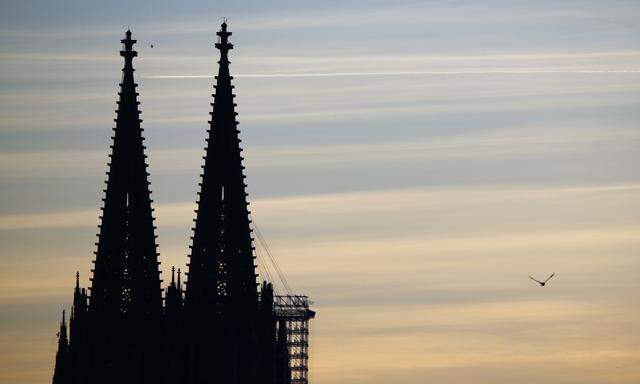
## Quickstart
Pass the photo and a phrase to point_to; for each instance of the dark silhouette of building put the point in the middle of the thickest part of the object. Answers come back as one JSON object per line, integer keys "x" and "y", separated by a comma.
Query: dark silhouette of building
{"x": 221, "y": 329}
{"x": 61, "y": 370}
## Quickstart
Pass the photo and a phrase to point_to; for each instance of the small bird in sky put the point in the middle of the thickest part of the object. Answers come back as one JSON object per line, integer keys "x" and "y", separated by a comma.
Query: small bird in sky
{"x": 542, "y": 283}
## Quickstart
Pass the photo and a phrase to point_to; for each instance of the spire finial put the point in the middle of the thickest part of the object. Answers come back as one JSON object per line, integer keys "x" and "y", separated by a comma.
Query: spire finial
{"x": 173, "y": 275}
{"x": 179, "y": 280}
{"x": 77, "y": 280}
{"x": 223, "y": 45}
{"x": 127, "y": 51}
{"x": 63, "y": 323}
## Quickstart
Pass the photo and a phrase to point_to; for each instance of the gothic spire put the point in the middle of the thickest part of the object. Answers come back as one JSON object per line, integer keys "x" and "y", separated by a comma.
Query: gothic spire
{"x": 63, "y": 330}
{"x": 126, "y": 277}
{"x": 78, "y": 305}
{"x": 79, "y": 301}
{"x": 61, "y": 370}
{"x": 221, "y": 266}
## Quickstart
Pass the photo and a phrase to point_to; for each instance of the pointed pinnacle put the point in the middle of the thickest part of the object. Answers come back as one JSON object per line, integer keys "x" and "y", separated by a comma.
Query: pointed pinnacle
{"x": 128, "y": 52}
{"x": 224, "y": 45}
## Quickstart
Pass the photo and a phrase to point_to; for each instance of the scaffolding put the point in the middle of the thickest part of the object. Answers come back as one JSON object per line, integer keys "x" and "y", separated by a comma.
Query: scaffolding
{"x": 294, "y": 310}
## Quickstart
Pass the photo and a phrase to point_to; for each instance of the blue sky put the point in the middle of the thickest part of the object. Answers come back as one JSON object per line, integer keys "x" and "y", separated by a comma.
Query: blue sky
{"x": 410, "y": 163}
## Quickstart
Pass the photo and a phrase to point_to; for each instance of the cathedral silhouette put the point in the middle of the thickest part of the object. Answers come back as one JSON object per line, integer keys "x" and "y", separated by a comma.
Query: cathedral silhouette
{"x": 223, "y": 327}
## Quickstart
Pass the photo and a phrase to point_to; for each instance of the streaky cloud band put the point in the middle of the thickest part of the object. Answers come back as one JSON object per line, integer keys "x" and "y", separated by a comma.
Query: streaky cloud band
{"x": 407, "y": 73}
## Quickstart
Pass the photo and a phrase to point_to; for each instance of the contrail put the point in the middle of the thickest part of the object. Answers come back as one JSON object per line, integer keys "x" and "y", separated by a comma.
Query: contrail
{"x": 407, "y": 73}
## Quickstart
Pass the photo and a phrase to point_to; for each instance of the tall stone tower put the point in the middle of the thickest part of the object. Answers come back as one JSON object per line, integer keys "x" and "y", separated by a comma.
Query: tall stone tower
{"x": 116, "y": 337}
{"x": 221, "y": 300}
{"x": 221, "y": 329}
{"x": 126, "y": 299}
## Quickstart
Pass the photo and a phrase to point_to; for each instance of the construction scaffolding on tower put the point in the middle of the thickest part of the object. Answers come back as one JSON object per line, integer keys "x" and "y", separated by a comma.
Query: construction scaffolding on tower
{"x": 294, "y": 311}
{"x": 289, "y": 309}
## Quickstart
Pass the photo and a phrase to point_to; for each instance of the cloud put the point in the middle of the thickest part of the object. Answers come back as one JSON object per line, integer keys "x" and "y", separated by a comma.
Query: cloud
{"x": 407, "y": 73}
{"x": 344, "y": 65}
{"x": 426, "y": 280}
{"x": 292, "y": 18}
{"x": 537, "y": 334}
{"x": 412, "y": 285}
{"x": 384, "y": 201}
{"x": 353, "y": 88}
{"x": 498, "y": 142}
{"x": 81, "y": 218}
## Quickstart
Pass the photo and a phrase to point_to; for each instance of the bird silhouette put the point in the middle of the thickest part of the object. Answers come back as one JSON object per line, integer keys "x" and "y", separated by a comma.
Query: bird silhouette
{"x": 542, "y": 283}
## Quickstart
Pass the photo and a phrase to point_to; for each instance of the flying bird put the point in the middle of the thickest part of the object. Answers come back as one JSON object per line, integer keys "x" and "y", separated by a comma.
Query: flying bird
{"x": 542, "y": 283}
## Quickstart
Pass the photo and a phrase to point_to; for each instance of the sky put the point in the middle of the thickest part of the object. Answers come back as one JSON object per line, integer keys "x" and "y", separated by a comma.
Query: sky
{"x": 409, "y": 164}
